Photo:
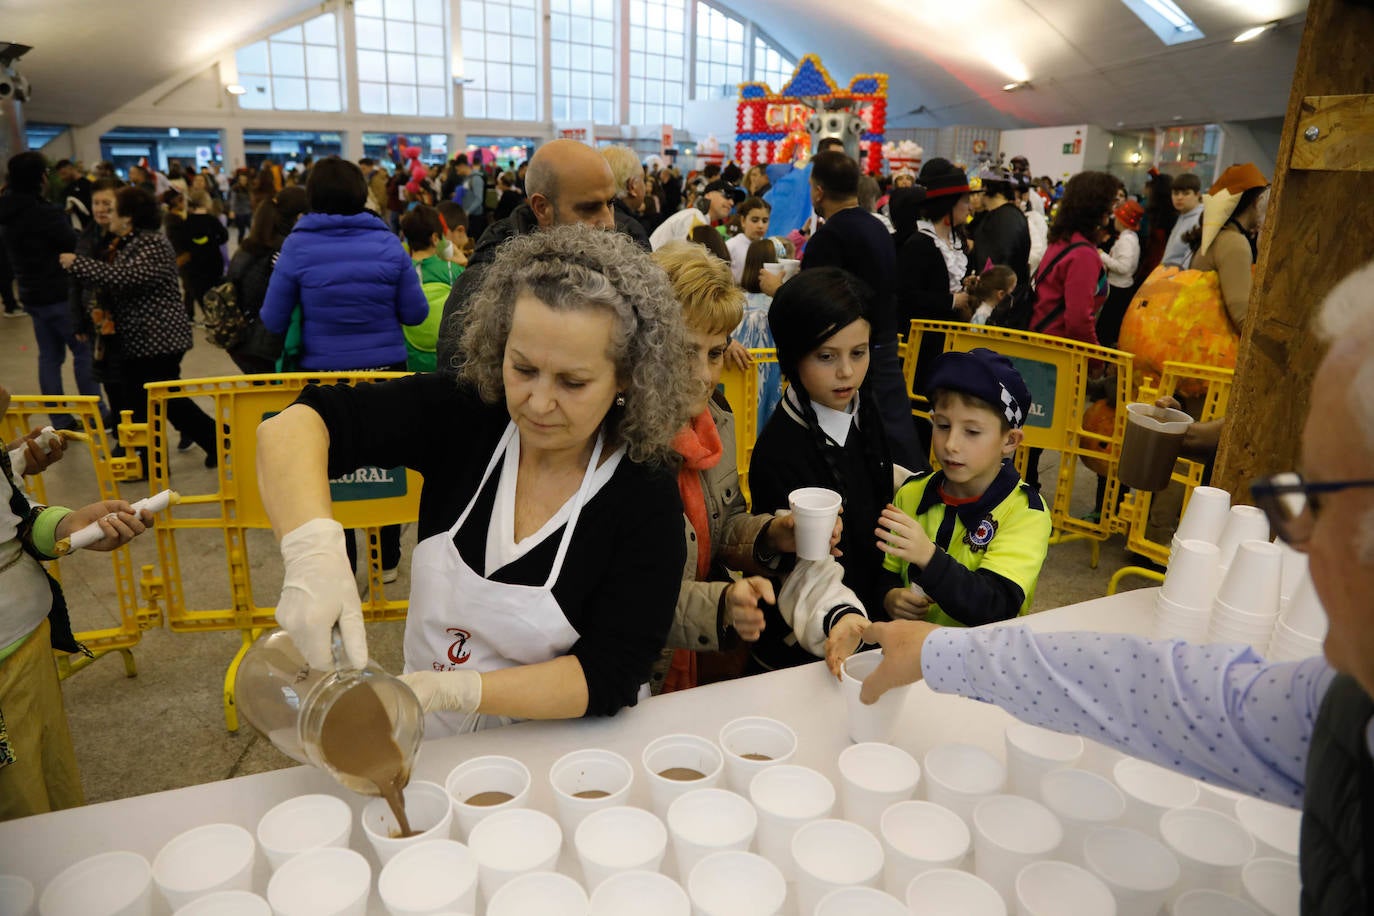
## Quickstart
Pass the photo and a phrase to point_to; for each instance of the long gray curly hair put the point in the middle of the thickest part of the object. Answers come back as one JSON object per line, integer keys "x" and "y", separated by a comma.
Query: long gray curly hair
{"x": 578, "y": 267}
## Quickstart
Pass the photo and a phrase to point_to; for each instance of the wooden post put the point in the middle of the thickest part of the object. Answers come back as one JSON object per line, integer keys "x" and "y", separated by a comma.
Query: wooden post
{"x": 1319, "y": 228}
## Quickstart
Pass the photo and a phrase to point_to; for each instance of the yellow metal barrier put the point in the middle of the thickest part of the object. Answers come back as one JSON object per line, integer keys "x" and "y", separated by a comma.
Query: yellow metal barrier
{"x": 1056, "y": 371}
{"x": 1134, "y": 515}
{"x": 741, "y": 387}
{"x": 29, "y": 412}
{"x": 233, "y": 512}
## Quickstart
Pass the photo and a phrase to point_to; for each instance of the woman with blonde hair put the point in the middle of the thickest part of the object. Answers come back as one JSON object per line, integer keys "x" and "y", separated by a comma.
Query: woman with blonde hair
{"x": 550, "y": 542}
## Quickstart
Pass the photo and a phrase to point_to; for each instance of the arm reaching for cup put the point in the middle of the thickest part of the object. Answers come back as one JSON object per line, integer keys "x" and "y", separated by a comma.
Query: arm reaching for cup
{"x": 901, "y": 641}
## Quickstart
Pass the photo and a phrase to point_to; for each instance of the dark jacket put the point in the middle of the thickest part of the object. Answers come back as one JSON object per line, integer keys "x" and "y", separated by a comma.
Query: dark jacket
{"x": 628, "y": 223}
{"x": 1337, "y": 852}
{"x": 356, "y": 287}
{"x": 141, "y": 288}
{"x": 35, "y": 232}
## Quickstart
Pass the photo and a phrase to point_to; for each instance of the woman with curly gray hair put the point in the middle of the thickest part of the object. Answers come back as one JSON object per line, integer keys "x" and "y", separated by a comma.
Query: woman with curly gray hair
{"x": 550, "y": 531}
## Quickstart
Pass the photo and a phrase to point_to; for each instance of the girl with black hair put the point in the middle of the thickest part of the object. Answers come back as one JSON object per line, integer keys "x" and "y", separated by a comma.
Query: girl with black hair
{"x": 826, "y": 432}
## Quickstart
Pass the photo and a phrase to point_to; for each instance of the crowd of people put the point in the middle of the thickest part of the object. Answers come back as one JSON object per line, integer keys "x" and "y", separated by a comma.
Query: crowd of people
{"x": 583, "y": 538}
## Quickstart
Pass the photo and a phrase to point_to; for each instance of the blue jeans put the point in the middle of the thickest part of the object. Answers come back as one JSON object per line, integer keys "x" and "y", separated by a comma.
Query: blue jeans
{"x": 53, "y": 330}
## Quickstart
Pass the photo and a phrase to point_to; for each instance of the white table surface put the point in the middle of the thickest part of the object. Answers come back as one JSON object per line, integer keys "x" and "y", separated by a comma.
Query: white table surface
{"x": 806, "y": 698}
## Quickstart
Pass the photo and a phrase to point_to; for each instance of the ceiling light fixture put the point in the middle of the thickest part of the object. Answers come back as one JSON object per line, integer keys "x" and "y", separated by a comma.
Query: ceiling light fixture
{"x": 235, "y": 89}
{"x": 1018, "y": 84}
{"x": 1136, "y": 157}
{"x": 1256, "y": 32}
{"x": 1172, "y": 14}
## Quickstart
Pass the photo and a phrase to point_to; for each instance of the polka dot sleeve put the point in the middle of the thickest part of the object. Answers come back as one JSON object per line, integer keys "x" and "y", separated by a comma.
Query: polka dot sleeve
{"x": 1216, "y": 712}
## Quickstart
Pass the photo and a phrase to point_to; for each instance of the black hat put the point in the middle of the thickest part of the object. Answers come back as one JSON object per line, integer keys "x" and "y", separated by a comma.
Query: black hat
{"x": 724, "y": 187}
{"x": 987, "y": 376}
{"x": 940, "y": 178}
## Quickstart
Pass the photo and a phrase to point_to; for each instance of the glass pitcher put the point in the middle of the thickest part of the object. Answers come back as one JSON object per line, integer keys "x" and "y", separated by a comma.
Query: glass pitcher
{"x": 291, "y": 703}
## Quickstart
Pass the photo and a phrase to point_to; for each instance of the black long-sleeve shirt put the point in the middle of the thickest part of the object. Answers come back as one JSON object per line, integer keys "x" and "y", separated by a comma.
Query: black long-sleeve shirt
{"x": 855, "y": 240}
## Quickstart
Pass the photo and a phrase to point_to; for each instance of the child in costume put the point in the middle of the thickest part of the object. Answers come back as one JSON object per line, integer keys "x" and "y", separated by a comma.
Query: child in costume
{"x": 424, "y": 234}
{"x": 971, "y": 538}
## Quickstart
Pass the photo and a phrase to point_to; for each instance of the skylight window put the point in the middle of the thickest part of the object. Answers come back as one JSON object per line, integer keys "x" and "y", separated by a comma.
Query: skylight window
{"x": 1166, "y": 20}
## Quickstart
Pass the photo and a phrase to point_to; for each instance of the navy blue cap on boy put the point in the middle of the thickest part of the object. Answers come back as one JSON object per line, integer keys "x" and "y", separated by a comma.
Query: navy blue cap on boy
{"x": 987, "y": 376}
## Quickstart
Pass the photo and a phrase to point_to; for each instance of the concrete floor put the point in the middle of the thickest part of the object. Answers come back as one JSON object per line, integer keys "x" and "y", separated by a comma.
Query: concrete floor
{"x": 164, "y": 728}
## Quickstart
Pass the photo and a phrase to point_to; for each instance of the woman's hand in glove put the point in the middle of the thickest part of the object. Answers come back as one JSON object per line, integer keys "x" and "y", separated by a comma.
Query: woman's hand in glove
{"x": 319, "y": 591}
{"x": 446, "y": 691}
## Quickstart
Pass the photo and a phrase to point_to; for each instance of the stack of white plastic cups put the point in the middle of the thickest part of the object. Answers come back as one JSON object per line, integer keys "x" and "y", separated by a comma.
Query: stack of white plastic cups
{"x": 1247, "y": 605}
{"x": 1301, "y": 627}
{"x": 1205, "y": 518}
{"x": 1183, "y": 607}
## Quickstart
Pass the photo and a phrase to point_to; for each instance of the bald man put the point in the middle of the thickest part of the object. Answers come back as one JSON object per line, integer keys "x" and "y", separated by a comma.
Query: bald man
{"x": 567, "y": 182}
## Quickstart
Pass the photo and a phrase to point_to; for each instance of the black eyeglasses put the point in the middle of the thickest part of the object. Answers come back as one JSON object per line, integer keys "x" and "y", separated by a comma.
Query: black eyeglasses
{"x": 1292, "y": 503}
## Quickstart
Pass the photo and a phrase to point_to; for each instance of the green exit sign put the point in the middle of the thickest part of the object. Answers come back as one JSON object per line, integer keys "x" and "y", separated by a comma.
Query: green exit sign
{"x": 1068, "y": 149}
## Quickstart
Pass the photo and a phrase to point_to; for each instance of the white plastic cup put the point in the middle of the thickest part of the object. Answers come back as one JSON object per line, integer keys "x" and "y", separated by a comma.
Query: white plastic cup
{"x": 680, "y": 755}
{"x": 1287, "y": 645}
{"x": 619, "y": 839}
{"x": 1305, "y": 615}
{"x": 544, "y": 892}
{"x": 321, "y": 882}
{"x": 860, "y": 901}
{"x": 429, "y": 877}
{"x": 476, "y": 777}
{"x": 873, "y": 777}
{"x": 1138, "y": 869}
{"x": 1061, "y": 889}
{"x": 790, "y": 267}
{"x": 1151, "y": 791}
{"x": 1009, "y": 833}
{"x": 786, "y": 797}
{"x": 1274, "y": 885}
{"x": 1219, "y": 799}
{"x": 920, "y": 836}
{"x": 751, "y": 744}
{"x": 637, "y": 893}
{"x": 959, "y": 776}
{"x": 429, "y": 810}
{"x": 514, "y": 842}
{"x": 815, "y": 509}
{"x": 17, "y": 894}
{"x": 1243, "y": 523}
{"x": 1294, "y": 568}
{"x": 774, "y": 268}
{"x": 1032, "y": 752}
{"x": 706, "y": 821}
{"x": 830, "y": 854}
{"x": 1211, "y": 848}
{"x": 736, "y": 884}
{"x": 301, "y": 823}
{"x": 944, "y": 891}
{"x": 213, "y": 857}
{"x": 1194, "y": 574}
{"x": 1099, "y": 758}
{"x": 1253, "y": 580}
{"x": 586, "y": 780}
{"x": 108, "y": 884}
{"x": 875, "y": 722}
{"x": 1274, "y": 827}
{"x": 1082, "y": 801}
{"x": 1213, "y": 903}
{"x": 225, "y": 903}
{"x": 1205, "y": 517}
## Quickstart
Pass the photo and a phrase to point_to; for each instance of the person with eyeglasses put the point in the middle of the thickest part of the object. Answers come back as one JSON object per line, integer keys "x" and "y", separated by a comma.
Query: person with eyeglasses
{"x": 1296, "y": 733}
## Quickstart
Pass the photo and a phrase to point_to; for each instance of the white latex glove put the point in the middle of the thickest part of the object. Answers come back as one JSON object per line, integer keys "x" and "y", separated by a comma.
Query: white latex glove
{"x": 446, "y": 691}
{"x": 319, "y": 591}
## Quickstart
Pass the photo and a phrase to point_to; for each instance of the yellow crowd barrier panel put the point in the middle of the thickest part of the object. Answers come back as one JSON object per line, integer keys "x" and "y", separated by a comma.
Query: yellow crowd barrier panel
{"x": 1056, "y": 371}
{"x": 741, "y": 389}
{"x": 1133, "y": 518}
{"x": 26, "y": 413}
{"x": 230, "y": 519}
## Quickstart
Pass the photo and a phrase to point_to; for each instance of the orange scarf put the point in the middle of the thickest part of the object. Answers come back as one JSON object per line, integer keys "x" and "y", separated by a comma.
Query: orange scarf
{"x": 700, "y": 447}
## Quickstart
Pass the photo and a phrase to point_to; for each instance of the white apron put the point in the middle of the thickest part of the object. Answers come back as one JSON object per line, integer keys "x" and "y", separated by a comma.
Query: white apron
{"x": 460, "y": 620}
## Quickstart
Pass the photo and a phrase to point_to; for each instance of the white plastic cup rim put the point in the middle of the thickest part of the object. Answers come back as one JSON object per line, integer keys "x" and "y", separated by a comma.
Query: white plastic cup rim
{"x": 429, "y": 874}
{"x": 877, "y": 767}
{"x": 932, "y": 893}
{"x": 1130, "y": 859}
{"x": 1081, "y": 796}
{"x": 1273, "y": 825}
{"x": 545, "y": 892}
{"x": 686, "y": 820}
{"x": 774, "y": 268}
{"x": 1241, "y": 615}
{"x": 1206, "y": 836}
{"x": 788, "y": 792}
{"x": 640, "y": 892}
{"x": 345, "y": 874}
{"x": 1044, "y": 888}
{"x": 105, "y": 883}
{"x": 847, "y": 901}
{"x": 1207, "y": 902}
{"x": 1166, "y": 605}
{"x": 964, "y": 769}
{"x": 226, "y": 903}
{"x": 1018, "y": 825}
{"x": 516, "y": 771}
{"x": 838, "y": 852}
{"x": 1153, "y": 785}
{"x": 730, "y": 731}
{"x": 814, "y": 501}
{"x": 706, "y": 751}
{"x": 1272, "y": 882}
{"x": 218, "y": 851}
{"x": 428, "y": 808}
{"x": 515, "y": 839}
{"x": 304, "y": 822}
{"x": 943, "y": 836}
{"x": 717, "y": 881}
{"x": 566, "y": 767}
{"x": 621, "y": 837}
{"x": 1044, "y": 744}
